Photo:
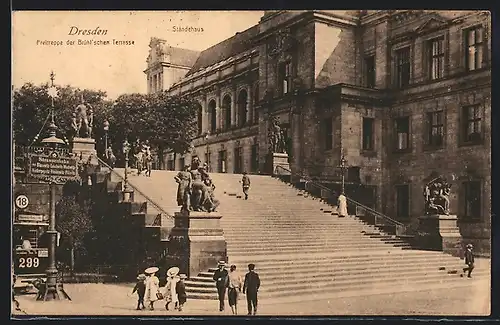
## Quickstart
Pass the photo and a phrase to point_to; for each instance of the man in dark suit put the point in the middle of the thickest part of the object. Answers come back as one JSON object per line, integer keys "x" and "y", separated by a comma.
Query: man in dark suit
{"x": 250, "y": 288}
{"x": 469, "y": 260}
{"x": 220, "y": 278}
{"x": 245, "y": 181}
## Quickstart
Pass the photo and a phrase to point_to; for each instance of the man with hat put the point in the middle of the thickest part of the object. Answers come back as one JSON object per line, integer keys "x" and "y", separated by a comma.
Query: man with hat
{"x": 469, "y": 260}
{"x": 220, "y": 278}
{"x": 140, "y": 288}
{"x": 245, "y": 181}
{"x": 180, "y": 288}
{"x": 251, "y": 287}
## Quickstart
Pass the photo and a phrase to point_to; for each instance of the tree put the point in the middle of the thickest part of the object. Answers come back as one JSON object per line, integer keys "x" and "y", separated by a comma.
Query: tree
{"x": 74, "y": 221}
{"x": 168, "y": 122}
{"x": 173, "y": 121}
{"x": 31, "y": 107}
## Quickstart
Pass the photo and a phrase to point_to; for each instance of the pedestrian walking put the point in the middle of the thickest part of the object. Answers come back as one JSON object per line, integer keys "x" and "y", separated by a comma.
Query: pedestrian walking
{"x": 139, "y": 160}
{"x": 148, "y": 162}
{"x": 342, "y": 205}
{"x": 140, "y": 288}
{"x": 245, "y": 181}
{"x": 251, "y": 288}
{"x": 234, "y": 288}
{"x": 221, "y": 278}
{"x": 152, "y": 287}
{"x": 180, "y": 288}
{"x": 170, "y": 287}
{"x": 469, "y": 260}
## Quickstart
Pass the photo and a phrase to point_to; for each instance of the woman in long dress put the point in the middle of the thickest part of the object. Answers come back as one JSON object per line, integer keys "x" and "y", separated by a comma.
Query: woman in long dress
{"x": 170, "y": 292}
{"x": 342, "y": 205}
{"x": 152, "y": 286}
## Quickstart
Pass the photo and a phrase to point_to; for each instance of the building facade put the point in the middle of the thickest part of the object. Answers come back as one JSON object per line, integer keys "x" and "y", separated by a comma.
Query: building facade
{"x": 402, "y": 94}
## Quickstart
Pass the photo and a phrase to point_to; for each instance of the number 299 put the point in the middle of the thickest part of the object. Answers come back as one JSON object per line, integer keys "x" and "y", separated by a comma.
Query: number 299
{"x": 29, "y": 262}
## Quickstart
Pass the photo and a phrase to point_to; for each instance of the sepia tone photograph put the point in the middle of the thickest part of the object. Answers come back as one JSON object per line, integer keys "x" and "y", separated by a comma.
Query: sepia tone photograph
{"x": 251, "y": 163}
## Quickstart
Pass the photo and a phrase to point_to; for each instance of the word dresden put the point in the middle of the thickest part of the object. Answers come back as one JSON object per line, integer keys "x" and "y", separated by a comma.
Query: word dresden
{"x": 77, "y": 31}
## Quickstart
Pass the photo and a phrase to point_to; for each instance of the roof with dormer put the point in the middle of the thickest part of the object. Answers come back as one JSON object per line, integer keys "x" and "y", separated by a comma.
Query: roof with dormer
{"x": 232, "y": 46}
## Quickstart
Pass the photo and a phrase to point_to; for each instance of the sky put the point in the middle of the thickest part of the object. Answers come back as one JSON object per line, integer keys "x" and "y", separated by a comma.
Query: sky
{"x": 116, "y": 69}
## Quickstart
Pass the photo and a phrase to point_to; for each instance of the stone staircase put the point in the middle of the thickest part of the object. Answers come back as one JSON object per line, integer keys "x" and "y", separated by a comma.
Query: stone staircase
{"x": 300, "y": 245}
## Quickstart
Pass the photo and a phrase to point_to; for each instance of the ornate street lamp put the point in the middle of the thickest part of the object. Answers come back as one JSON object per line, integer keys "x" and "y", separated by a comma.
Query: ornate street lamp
{"x": 52, "y": 290}
{"x": 343, "y": 167}
{"x": 106, "y": 129}
{"x": 126, "y": 191}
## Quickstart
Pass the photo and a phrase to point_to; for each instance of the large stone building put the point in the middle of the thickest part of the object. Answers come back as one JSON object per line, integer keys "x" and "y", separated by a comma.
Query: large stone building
{"x": 401, "y": 93}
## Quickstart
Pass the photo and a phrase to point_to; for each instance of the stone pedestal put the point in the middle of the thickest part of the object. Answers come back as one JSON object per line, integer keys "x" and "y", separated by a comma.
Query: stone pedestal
{"x": 440, "y": 233}
{"x": 278, "y": 159}
{"x": 85, "y": 147}
{"x": 196, "y": 242}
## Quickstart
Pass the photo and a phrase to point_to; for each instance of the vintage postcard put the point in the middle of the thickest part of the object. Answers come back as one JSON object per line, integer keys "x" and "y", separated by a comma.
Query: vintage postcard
{"x": 251, "y": 163}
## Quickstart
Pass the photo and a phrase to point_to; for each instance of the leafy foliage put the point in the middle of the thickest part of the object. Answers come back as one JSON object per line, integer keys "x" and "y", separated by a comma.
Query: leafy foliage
{"x": 168, "y": 122}
{"x": 31, "y": 107}
{"x": 74, "y": 220}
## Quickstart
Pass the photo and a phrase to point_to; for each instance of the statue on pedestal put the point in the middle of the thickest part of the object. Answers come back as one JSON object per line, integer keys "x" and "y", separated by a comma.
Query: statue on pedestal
{"x": 436, "y": 196}
{"x": 196, "y": 190}
{"x": 276, "y": 138}
{"x": 83, "y": 118}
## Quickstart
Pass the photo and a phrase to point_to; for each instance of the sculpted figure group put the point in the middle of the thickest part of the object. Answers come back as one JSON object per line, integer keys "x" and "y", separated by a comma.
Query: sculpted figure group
{"x": 195, "y": 191}
{"x": 276, "y": 138}
{"x": 436, "y": 196}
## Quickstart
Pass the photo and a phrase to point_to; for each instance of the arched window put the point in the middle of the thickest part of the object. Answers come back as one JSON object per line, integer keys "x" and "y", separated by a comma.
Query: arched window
{"x": 200, "y": 119}
{"x": 226, "y": 105}
{"x": 242, "y": 107}
{"x": 212, "y": 111}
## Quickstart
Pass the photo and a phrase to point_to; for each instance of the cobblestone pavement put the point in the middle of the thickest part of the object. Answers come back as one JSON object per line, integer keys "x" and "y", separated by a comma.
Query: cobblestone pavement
{"x": 467, "y": 297}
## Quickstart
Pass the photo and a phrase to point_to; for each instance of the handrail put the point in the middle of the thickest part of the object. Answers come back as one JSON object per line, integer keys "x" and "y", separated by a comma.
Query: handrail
{"x": 135, "y": 188}
{"x": 320, "y": 186}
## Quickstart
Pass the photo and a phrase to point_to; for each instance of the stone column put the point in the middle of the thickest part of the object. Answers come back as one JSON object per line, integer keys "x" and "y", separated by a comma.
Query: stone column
{"x": 203, "y": 104}
{"x": 249, "y": 105}
{"x": 234, "y": 107}
{"x": 218, "y": 110}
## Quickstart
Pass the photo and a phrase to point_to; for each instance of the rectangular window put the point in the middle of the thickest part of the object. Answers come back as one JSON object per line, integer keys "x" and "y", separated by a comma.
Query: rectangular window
{"x": 370, "y": 71}
{"x": 182, "y": 163}
{"x": 474, "y": 43}
{"x": 472, "y": 120}
{"x": 472, "y": 199}
{"x": 238, "y": 160}
{"x": 403, "y": 67}
{"x": 255, "y": 158}
{"x": 285, "y": 77}
{"x": 222, "y": 161}
{"x": 368, "y": 132}
{"x": 402, "y": 132}
{"x": 436, "y": 128}
{"x": 436, "y": 58}
{"x": 403, "y": 201}
{"x": 328, "y": 129}
{"x": 170, "y": 164}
